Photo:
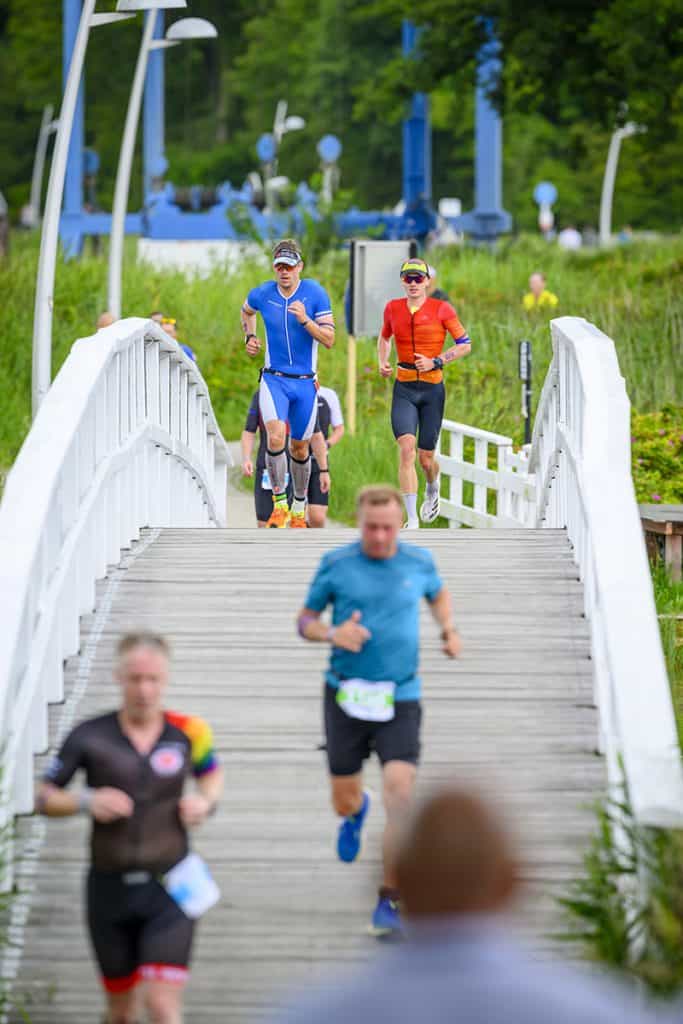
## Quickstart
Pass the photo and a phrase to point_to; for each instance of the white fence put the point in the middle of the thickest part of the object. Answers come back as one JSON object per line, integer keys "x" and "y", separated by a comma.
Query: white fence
{"x": 508, "y": 479}
{"x": 581, "y": 456}
{"x": 126, "y": 438}
{"x": 577, "y": 476}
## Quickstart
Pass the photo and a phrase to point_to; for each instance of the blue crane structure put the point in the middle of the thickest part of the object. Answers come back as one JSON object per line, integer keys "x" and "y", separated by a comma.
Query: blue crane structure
{"x": 209, "y": 214}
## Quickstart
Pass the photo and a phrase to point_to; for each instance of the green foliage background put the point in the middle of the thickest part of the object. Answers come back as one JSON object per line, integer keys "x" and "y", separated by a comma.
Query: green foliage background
{"x": 571, "y": 71}
{"x": 634, "y": 293}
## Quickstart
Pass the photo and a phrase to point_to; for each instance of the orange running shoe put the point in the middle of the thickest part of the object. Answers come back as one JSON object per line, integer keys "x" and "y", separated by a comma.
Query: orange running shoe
{"x": 279, "y": 518}
{"x": 298, "y": 521}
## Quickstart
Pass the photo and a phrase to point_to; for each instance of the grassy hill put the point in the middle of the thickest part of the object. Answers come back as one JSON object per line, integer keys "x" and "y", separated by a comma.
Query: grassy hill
{"x": 634, "y": 293}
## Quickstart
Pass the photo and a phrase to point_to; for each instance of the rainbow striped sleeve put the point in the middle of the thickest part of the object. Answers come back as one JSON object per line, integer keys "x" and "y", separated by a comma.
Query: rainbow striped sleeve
{"x": 204, "y": 758}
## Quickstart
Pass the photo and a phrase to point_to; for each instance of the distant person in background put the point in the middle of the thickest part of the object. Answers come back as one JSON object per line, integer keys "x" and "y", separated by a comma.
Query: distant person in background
{"x": 263, "y": 489}
{"x": 104, "y": 320}
{"x": 457, "y": 872}
{"x": 170, "y": 325}
{"x": 538, "y": 296}
{"x": 432, "y": 291}
{"x": 329, "y": 431}
{"x": 319, "y": 483}
{"x": 569, "y": 238}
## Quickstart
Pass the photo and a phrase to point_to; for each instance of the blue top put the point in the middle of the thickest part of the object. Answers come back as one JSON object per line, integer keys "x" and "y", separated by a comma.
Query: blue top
{"x": 467, "y": 970}
{"x": 387, "y": 592}
{"x": 289, "y": 346}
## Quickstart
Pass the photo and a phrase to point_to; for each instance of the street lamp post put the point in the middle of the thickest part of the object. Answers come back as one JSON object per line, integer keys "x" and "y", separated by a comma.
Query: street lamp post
{"x": 128, "y": 144}
{"x": 629, "y": 129}
{"x": 186, "y": 28}
{"x": 42, "y": 317}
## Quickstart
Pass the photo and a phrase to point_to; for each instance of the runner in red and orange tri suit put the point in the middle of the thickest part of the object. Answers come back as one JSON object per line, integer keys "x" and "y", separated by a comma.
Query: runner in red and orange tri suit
{"x": 419, "y": 326}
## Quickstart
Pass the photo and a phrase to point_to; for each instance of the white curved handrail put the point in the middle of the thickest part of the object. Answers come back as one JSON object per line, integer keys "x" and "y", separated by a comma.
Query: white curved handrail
{"x": 125, "y": 438}
{"x": 581, "y": 456}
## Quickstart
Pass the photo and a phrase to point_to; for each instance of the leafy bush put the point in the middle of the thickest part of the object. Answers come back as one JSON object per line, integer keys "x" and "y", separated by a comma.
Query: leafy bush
{"x": 627, "y": 909}
{"x": 657, "y": 443}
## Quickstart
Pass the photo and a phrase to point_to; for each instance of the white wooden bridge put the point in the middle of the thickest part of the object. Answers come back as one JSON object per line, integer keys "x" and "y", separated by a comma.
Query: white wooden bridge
{"x": 109, "y": 522}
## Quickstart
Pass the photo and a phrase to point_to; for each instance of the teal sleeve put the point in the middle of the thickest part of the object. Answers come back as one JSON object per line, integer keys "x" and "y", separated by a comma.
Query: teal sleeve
{"x": 320, "y": 592}
{"x": 433, "y": 582}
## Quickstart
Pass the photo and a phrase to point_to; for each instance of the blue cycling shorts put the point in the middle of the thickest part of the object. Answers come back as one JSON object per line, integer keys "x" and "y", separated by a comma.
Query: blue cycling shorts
{"x": 293, "y": 401}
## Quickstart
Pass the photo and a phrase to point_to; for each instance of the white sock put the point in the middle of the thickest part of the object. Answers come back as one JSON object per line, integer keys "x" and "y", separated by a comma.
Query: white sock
{"x": 298, "y": 506}
{"x": 410, "y": 502}
{"x": 434, "y": 486}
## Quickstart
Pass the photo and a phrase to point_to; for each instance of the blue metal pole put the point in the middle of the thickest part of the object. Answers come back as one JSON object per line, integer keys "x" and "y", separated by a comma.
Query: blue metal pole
{"x": 488, "y": 219}
{"x": 73, "y": 184}
{"x": 417, "y": 136}
{"x": 153, "y": 116}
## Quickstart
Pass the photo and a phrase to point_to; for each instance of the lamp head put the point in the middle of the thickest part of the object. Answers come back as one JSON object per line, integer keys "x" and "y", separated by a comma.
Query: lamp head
{"x": 191, "y": 28}
{"x": 150, "y": 5}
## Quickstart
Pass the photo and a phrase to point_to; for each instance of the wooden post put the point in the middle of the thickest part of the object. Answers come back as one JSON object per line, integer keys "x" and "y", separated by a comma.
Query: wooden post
{"x": 351, "y": 386}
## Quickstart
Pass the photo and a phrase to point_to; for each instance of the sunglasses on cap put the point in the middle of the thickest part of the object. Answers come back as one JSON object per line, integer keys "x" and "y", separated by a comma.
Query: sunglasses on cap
{"x": 168, "y": 320}
{"x": 413, "y": 278}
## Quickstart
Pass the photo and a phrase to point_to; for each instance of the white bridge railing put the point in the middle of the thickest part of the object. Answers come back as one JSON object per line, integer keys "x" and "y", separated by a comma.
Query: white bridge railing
{"x": 577, "y": 476}
{"x": 126, "y": 438}
{"x": 508, "y": 479}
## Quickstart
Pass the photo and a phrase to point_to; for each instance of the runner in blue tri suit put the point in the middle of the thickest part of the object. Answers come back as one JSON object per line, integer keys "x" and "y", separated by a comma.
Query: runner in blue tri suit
{"x": 297, "y": 316}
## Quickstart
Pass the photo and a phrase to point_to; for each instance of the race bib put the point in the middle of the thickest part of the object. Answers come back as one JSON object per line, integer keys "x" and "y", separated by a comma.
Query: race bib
{"x": 266, "y": 484}
{"x": 371, "y": 702}
{"x": 190, "y": 884}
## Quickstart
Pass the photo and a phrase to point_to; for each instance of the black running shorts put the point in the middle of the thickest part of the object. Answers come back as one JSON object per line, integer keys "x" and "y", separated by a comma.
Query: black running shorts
{"x": 138, "y": 932}
{"x": 315, "y": 495}
{"x": 350, "y": 741}
{"x": 418, "y": 406}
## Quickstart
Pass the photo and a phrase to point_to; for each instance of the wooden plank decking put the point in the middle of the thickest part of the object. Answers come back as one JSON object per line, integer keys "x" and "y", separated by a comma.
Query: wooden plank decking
{"x": 515, "y": 713}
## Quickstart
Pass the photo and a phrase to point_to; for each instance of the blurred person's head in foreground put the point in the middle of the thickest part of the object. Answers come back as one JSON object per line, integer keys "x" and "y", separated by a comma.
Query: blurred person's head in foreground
{"x": 105, "y": 319}
{"x": 455, "y": 858}
{"x": 170, "y": 325}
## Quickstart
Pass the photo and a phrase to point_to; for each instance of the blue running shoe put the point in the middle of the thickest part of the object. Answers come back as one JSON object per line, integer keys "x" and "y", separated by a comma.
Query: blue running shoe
{"x": 386, "y": 920}
{"x": 348, "y": 840}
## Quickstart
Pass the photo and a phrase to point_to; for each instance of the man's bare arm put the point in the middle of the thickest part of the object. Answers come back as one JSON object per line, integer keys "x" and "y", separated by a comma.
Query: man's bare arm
{"x": 383, "y": 352}
{"x": 442, "y": 611}
{"x": 457, "y": 351}
{"x": 248, "y": 319}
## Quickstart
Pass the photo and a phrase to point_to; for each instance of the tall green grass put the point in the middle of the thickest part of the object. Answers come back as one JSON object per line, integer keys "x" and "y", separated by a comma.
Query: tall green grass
{"x": 633, "y": 293}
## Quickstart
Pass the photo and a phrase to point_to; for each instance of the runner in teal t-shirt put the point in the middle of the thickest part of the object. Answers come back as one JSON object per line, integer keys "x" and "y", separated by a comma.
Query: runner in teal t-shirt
{"x": 372, "y": 690}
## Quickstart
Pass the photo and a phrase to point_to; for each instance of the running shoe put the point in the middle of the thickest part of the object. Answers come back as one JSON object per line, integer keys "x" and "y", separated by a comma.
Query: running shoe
{"x": 298, "y": 521}
{"x": 348, "y": 840}
{"x": 386, "y": 920}
{"x": 279, "y": 518}
{"x": 412, "y": 524}
{"x": 430, "y": 507}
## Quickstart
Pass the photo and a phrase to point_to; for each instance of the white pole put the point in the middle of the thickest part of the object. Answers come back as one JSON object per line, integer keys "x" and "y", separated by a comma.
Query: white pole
{"x": 42, "y": 317}
{"x": 118, "y": 217}
{"x": 608, "y": 187}
{"x": 46, "y": 127}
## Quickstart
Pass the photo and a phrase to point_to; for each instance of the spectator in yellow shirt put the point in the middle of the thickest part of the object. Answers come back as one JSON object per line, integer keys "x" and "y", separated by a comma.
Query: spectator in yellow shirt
{"x": 538, "y": 296}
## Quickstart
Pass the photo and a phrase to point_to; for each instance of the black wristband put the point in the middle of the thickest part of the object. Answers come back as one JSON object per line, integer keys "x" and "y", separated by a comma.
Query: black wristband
{"x": 248, "y": 337}
{"x": 323, "y": 470}
{"x": 304, "y": 323}
{"x": 438, "y": 363}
